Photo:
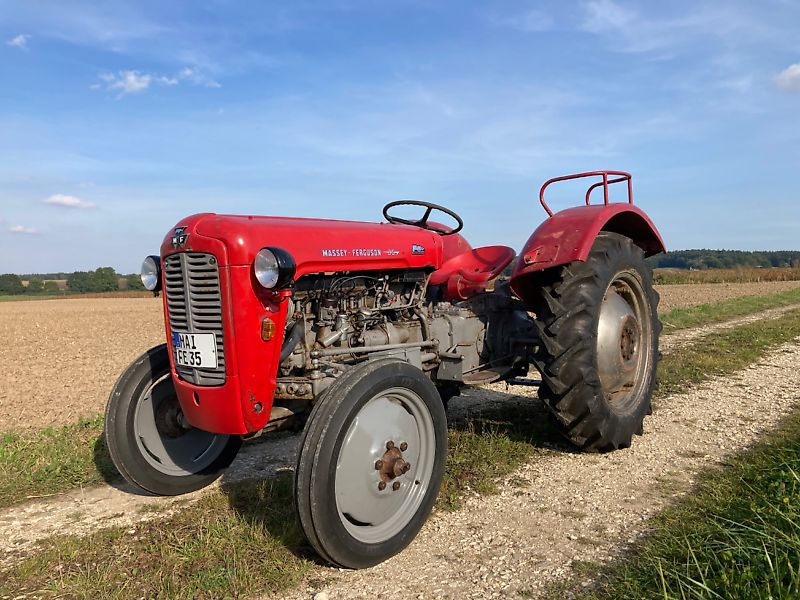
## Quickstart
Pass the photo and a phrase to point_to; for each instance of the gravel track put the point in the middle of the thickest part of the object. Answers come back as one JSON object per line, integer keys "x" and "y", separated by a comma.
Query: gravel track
{"x": 61, "y": 357}
{"x": 568, "y": 507}
{"x": 685, "y": 336}
{"x": 549, "y": 512}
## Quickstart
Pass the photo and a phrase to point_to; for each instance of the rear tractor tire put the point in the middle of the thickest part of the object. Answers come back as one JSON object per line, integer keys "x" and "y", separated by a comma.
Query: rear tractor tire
{"x": 599, "y": 329}
{"x": 371, "y": 462}
{"x": 150, "y": 443}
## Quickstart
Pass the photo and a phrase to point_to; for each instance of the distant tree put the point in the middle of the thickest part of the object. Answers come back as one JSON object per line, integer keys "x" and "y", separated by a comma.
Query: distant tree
{"x": 728, "y": 259}
{"x": 11, "y": 284}
{"x": 80, "y": 282}
{"x": 105, "y": 280}
{"x": 35, "y": 286}
{"x": 134, "y": 282}
{"x": 51, "y": 287}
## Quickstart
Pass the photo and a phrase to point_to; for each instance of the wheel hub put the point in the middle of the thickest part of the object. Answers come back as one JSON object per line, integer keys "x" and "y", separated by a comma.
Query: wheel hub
{"x": 169, "y": 418}
{"x": 392, "y": 465}
{"x": 629, "y": 339}
{"x": 618, "y": 338}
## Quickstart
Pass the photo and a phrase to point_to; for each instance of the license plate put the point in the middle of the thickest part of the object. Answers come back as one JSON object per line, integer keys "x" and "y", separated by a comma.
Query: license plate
{"x": 197, "y": 350}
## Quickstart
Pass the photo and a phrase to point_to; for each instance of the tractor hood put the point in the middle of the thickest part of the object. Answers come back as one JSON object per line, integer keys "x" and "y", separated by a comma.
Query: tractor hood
{"x": 317, "y": 245}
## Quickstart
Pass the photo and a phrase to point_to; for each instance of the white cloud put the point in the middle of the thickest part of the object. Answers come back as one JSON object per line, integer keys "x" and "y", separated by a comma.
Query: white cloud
{"x": 132, "y": 82}
{"x": 22, "y": 229}
{"x": 789, "y": 79}
{"x": 197, "y": 77}
{"x": 68, "y": 201}
{"x": 20, "y": 41}
{"x": 637, "y": 30}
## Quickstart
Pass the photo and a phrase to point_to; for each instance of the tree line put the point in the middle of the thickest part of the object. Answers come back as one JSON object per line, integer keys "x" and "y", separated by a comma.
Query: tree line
{"x": 725, "y": 259}
{"x": 104, "y": 279}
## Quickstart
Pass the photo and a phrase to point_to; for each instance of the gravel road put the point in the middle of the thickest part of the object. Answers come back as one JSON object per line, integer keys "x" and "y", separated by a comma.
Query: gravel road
{"x": 61, "y": 357}
{"x": 562, "y": 507}
{"x": 569, "y": 507}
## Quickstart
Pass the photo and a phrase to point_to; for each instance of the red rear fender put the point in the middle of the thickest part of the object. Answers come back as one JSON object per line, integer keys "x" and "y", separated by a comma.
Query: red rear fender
{"x": 568, "y": 236}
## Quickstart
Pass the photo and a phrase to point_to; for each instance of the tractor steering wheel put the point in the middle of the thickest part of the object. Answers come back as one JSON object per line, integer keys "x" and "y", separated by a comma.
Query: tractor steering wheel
{"x": 423, "y": 222}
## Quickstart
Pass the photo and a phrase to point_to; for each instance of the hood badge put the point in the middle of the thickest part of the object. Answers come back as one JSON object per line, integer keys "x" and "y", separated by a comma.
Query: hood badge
{"x": 179, "y": 238}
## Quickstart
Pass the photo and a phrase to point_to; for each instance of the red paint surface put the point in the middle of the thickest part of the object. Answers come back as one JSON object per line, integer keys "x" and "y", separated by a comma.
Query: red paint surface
{"x": 242, "y": 405}
{"x": 568, "y": 236}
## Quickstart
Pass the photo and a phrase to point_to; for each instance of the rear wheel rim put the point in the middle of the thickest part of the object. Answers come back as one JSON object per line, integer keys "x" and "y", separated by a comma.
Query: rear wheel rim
{"x": 624, "y": 341}
{"x": 163, "y": 442}
{"x": 373, "y": 505}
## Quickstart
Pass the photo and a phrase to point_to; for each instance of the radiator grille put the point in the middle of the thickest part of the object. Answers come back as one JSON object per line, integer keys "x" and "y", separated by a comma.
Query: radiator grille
{"x": 194, "y": 305}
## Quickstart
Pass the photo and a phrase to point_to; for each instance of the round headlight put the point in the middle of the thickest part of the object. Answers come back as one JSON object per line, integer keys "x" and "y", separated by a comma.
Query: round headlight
{"x": 266, "y": 267}
{"x": 151, "y": 273}
{"x": 273, "y": 267}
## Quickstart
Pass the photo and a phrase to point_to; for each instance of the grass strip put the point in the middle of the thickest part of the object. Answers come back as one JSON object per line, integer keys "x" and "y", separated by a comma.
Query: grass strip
{"x": 52, "y": 461}
{"x": 229, "y": 544}
{"x": 668, "y": 276}
{"x": 706, "y": 314}
{"x": 736, "y": 537}
{"x": 724, "y": 352}
{"x": 244, "y": 540}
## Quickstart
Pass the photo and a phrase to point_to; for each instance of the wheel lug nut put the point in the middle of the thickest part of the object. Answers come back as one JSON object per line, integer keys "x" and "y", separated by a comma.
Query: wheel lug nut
{"x": 389, "y": 445}
{"x": 396, "y": 486}
{"x": 378, "y": 464}
{"x": 403, "y": 447}
{"x": 406, "y": 467}
{"x": 381, "y": 485}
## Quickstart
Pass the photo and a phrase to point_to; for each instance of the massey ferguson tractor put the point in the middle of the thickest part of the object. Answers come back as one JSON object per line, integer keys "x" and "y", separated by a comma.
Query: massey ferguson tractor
{"x": 363, "y": 331}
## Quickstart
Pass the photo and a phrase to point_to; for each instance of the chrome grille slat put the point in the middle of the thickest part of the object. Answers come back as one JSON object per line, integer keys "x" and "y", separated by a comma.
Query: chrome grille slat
{"x": 194, "y": 304}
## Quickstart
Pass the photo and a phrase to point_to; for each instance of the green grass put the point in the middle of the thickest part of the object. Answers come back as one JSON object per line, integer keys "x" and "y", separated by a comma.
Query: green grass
{"x": 52, "y": 461}
{"x": 667, "y": 276}
{"x": 75, "y": 296}
{"x": 230, "y": 544}
{"x": 487, "y": 448}
{"x": 244, "y": 540}
{"x": 681, "y": 318}
{"x": 737, "y": 536}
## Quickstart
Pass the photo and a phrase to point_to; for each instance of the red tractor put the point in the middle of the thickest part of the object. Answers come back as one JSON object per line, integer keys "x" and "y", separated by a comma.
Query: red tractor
{"x": 364, "y": 331}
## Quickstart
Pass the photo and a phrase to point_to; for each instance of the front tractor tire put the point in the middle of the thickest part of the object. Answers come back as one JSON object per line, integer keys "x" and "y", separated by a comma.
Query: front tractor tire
{"x": 599, "y": 328}
{"x": 371, "y": 463}
{"x": 150, "y": 443}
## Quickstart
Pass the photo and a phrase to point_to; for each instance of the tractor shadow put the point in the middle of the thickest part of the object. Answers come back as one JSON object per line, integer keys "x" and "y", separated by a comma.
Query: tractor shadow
{"x": 109, "y": 473}
{"x": 259, "y": 484}
{"x": 105, "y": 466}
{"x": 521, "y": 417}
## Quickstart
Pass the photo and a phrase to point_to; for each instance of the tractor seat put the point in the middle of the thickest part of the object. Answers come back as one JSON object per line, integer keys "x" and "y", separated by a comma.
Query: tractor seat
{"x": 468, "y": 273}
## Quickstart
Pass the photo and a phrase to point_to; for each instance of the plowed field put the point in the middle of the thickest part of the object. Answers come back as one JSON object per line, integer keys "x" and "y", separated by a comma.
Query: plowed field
{"x": 61, "y": 357}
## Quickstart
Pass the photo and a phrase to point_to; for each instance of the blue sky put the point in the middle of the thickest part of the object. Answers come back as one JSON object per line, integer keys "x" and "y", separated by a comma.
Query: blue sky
{"x": 119, "y": 118}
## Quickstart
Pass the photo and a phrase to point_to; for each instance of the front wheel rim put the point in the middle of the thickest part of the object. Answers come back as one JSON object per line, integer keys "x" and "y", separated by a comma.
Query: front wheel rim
{"x": 376, "y": 500}
{"x": 169, "y": 447}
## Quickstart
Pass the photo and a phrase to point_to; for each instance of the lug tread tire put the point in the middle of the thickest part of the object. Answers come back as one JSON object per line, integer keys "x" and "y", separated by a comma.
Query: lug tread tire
{"x": 567, "y": 311}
